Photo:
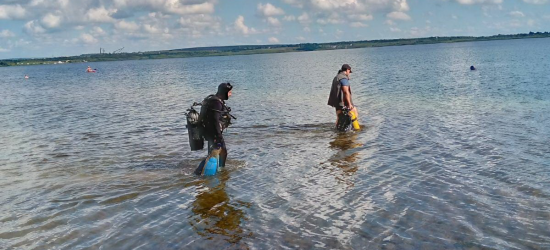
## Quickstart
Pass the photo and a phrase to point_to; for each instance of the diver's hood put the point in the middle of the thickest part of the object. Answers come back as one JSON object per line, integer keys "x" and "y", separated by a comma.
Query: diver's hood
{"x": 223, "y": 89}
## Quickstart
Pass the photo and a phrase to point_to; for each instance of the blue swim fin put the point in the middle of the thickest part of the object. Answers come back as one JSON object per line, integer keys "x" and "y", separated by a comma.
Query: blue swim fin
{"x": 209, "y": 166}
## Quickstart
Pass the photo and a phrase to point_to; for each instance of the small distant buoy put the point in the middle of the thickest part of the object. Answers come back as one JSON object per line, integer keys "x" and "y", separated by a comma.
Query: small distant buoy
{"x": 26, "y": 77}
{"x": 472, "y": 67}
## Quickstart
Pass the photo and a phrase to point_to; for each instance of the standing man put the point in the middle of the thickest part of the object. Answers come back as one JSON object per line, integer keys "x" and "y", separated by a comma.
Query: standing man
{"x": 215, "y": 118}
{"x": 340, "y": 92}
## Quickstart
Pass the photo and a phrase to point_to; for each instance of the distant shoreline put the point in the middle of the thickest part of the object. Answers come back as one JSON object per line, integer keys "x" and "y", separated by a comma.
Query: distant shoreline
{"x": 259, "y": 49}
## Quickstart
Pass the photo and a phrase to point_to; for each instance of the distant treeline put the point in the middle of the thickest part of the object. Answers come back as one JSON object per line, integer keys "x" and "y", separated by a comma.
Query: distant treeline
{"x": 260, "y": 49}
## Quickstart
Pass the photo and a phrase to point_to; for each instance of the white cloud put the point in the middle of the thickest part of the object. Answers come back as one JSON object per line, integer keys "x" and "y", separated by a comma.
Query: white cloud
{"x": 70, "y": 12}
{"x": 127, "y": 26}
{"x": 51, "y": 21}
{"x": 201, "y": 21}
{"x": 98, "y": 31}
{"x": 334, "y": 4}
{"x": 517, "y": 14}
{"x": 332, "y": 19}
{"x": 268, "y": 10}
{"x": 536, "y": 1}
{"x": 199, "y": 25}
{"x": 88, "y": 39}
{"x": 151, "y": 29}
{"x": 393, "y": 29}
{"x": 273, "y": 40}
{"x": 12, "y": 12}
{"x": 351, "y": 6}
{"x": 34, "y": 28}
{"x": 396, "y": 15}
{"x": 289, "y": 18}
{"x": 531, "y": 22}
{"x": 157, "y": 15}
{"x": 361, "y": 17}
{"x": 6, "y": 34}
{"x": 358, "y": 25}
{"x": 304, "y": 19}
{"x": 169, "y": 6}
{"x": 4, "y": 50}
{"x": 273, "y": 21}
{"x": 301, "y": 38}
{"x": 469, "y": 2}
{"x": 401, "y": 5}
{"x": 297, "y": 3}
{"x": 242, "y": 28}
{"x": 100, "y": 15}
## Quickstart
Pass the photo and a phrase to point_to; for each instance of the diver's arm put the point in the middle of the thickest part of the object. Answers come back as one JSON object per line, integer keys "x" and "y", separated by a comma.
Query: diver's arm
{"x": 347, "y": 96}
{"x": 217, "y": 124}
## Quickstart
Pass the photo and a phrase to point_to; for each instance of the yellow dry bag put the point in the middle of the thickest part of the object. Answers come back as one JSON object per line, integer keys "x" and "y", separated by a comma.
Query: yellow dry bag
{"x": 354, "y": 121}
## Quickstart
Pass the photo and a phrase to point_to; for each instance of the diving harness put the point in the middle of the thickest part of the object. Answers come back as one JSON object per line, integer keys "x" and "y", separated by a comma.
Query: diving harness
{"x": 196, "y": 121}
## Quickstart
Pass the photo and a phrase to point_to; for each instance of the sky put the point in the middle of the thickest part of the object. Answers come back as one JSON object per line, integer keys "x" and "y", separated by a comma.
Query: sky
{"x": 47, "y": 28}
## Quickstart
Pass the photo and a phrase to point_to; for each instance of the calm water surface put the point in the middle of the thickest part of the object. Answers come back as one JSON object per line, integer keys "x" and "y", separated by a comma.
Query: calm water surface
{"x": 448, "y": 158}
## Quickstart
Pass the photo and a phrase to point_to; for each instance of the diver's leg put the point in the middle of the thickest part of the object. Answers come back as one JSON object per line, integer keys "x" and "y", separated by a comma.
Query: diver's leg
{"x": 223, "y": 156}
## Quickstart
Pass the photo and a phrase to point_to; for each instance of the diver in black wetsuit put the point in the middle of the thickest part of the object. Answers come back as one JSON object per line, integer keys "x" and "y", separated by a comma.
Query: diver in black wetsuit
{"x": 215, "y": 118}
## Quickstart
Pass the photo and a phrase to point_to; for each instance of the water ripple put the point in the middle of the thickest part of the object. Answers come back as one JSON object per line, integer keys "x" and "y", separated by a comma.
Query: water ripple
{"x": 447, "y": 158}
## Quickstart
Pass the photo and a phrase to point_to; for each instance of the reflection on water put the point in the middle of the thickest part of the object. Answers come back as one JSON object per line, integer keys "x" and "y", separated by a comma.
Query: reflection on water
{"x": 450, "y": 159}
{"x": 345, "y": 157}
{"x": 215, "y": 217}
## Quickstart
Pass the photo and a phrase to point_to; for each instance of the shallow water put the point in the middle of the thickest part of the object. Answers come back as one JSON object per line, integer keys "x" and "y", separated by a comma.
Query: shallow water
{"x": 448, "y": 158}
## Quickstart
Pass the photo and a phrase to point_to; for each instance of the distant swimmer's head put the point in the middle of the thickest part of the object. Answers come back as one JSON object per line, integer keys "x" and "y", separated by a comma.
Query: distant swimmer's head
{"x": 472, "y": 67}
{"x": 224, "y": 90}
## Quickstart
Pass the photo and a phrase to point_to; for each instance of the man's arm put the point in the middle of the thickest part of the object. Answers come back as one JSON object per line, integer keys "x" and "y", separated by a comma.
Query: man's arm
{"x": 347, "y": 96}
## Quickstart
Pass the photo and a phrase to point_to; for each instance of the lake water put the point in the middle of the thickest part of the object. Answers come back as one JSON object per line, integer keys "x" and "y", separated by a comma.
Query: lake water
{"x": 448, "y": 158}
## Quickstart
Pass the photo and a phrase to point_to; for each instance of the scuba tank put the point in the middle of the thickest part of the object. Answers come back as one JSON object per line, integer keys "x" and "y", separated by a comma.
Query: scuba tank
{"x": 194, "y": 128}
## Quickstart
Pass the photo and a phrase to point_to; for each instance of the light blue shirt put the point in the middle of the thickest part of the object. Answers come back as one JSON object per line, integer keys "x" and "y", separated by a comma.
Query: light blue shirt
{"x": 344, "y": 82}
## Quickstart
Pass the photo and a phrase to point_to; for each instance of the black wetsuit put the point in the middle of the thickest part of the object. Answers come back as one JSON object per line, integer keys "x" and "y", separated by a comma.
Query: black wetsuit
{"x": 215, "y": 118}
{"x": 214, "y": 109}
